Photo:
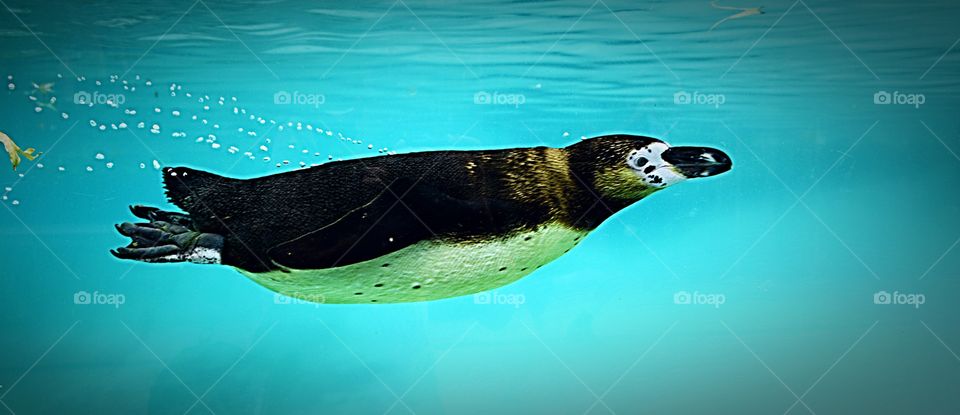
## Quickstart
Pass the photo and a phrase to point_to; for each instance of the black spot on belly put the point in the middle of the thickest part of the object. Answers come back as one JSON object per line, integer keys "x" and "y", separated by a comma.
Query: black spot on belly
{"x": 527, "y": 238}
{"x": 568, "y": 250}
{"x": 378, "y": 285}
{"x": 385, "y": 265}
{"x": 523, "y": 269}
{"x": 357, "y": 293}
{"x": 416, "y": 286}
{"x": 502, "y": 269}
{"x": 649, "y": 169}
{"x": 373, "y": 301}
{"x": 576, "y": 239}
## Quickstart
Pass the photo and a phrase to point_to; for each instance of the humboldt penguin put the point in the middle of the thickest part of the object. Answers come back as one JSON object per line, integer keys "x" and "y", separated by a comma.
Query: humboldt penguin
{"x": 408, "y": 227}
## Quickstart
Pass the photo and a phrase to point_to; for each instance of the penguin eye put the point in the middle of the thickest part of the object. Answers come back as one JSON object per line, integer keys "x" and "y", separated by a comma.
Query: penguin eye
{"x": 636, "y": 160}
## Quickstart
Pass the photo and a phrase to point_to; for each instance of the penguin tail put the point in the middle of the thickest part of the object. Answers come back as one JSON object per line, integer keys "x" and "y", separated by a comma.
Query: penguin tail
{"x": 188, "y": 188}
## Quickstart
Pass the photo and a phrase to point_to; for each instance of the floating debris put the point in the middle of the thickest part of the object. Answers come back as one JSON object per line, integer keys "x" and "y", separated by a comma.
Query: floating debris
{"x": 744, "y": 12}
{"x": 14, "y": 151}
{"x": 42, "y": 89}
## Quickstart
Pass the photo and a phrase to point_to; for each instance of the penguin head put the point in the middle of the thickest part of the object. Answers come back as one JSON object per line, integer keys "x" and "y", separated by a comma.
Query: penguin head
{"x": 631, "y": 167}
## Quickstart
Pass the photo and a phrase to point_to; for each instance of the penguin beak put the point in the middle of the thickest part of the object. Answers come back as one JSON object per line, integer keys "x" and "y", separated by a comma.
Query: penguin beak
{"x": 694, "y": 162}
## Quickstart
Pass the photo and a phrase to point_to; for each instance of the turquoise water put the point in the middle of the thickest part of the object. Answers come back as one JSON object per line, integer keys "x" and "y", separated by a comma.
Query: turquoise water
{"x": 833, "y": 200}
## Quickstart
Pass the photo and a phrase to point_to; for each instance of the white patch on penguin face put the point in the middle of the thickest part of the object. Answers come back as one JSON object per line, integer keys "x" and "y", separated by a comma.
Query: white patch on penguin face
{"x": 647, "y": 162}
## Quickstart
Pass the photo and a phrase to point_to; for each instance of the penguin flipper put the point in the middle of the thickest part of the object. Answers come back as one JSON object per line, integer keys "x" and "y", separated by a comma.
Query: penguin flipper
{"x": 405, "y": 213}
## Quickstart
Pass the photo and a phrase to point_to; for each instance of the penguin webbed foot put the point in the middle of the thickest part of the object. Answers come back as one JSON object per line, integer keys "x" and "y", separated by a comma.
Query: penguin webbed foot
{"x": 165, "y": 253}
{"x": 168, "y": 237}
{"x": 155, "y": 214}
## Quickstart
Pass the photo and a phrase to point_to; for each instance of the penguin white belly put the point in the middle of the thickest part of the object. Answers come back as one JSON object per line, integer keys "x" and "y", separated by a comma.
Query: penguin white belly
{"x": 428, "y": 270}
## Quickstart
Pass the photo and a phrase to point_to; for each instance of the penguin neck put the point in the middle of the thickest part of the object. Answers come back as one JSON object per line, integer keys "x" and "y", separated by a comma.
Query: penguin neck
{"x": 589, "y": 204}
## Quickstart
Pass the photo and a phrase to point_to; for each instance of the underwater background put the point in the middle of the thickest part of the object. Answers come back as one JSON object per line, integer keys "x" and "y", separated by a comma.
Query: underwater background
{"x": 818, "y": 276}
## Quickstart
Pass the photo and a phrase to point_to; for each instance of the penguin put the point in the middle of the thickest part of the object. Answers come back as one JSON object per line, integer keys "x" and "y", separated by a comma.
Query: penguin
{"x": 408, "y": 227}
